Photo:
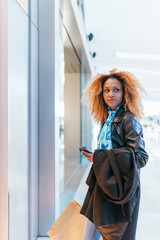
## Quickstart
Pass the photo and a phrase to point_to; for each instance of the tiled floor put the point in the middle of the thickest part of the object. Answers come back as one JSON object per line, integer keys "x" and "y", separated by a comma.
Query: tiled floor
{"x": 149, "y": 214}
{"x": 149, "y": 217}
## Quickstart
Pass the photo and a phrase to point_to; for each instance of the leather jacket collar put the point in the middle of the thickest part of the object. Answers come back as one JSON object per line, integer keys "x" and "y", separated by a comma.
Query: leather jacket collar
{"x": 119, "y": 114}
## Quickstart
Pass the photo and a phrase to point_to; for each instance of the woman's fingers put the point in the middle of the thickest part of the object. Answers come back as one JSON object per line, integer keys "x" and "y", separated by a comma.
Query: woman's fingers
{"x": 86, "y": 154}
{"x": 89, "y": 156}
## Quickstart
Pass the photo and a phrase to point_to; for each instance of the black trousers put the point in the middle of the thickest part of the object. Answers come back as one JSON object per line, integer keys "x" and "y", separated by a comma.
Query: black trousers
{"x": 130, "y": 232}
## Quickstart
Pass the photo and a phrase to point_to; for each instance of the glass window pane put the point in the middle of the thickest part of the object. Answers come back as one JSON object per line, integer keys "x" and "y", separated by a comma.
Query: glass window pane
{"x": 71, "y": 167}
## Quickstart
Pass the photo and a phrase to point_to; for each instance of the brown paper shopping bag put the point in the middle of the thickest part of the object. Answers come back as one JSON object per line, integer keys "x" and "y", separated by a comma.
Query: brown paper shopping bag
{"x": 70, "y": 224}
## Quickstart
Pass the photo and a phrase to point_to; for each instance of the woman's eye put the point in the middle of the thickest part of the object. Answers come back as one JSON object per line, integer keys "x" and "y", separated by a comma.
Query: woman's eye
{"x": 116, "y": 89}
{"x": 106, "y": 90}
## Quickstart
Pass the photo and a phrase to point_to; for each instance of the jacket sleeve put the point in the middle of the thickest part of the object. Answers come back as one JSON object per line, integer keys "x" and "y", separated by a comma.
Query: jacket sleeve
{"x": 134, "y": 138}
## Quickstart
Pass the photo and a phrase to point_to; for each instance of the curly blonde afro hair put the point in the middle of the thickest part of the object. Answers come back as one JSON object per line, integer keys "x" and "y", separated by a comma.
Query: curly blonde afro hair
{"x": 132, "y": 94}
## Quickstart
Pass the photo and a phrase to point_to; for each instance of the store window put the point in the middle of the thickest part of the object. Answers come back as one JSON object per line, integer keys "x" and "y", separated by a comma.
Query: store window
{"x": 71, "y": 166}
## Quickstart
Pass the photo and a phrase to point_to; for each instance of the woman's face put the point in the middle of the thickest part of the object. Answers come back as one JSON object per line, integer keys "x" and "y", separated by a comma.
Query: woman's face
{"x": 112, "y": 93}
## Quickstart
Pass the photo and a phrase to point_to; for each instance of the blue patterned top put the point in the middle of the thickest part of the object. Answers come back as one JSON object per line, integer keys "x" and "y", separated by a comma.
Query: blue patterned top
{"x": 104, "y": 140}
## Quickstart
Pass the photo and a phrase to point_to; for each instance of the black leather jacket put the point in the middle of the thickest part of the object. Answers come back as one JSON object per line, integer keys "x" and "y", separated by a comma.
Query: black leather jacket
{"x": 126, "y": 131}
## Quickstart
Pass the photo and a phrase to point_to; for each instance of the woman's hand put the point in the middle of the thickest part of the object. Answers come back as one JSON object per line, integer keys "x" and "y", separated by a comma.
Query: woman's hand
{"x": 87, "y": 155}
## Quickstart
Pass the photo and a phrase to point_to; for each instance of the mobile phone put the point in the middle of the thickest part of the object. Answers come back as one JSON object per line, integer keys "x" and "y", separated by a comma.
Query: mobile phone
{"x": 84, "y": 149}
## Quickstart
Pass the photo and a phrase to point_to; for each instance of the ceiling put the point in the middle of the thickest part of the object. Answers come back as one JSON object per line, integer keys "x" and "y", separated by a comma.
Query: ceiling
{"x": 127, "y": 36}
{"x": 75, "y": 48}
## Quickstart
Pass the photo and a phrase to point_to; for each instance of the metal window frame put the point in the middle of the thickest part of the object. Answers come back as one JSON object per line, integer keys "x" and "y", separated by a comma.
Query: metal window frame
{"x": 48, "y": 115}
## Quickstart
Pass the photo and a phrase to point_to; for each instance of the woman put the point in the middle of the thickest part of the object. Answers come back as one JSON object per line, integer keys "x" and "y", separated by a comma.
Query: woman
{"x": 115, "y": 101}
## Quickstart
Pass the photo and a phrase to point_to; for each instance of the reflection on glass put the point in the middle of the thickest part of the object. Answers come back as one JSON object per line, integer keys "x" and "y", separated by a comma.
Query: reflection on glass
{"x": 71, "y": 168}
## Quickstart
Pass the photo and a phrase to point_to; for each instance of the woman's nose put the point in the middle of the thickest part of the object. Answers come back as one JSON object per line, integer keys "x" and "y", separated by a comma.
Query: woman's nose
{"x": 111, "y": 93}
